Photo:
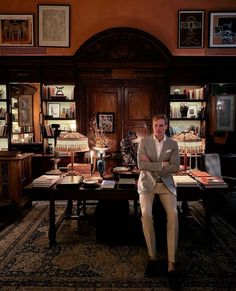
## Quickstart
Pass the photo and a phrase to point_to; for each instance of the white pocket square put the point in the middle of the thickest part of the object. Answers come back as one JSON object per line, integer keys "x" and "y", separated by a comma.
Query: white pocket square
{"x": 168, "y": 151}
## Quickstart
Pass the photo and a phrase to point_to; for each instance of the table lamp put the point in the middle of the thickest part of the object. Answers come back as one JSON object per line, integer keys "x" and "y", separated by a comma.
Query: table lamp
{"x": 72, "y": 142}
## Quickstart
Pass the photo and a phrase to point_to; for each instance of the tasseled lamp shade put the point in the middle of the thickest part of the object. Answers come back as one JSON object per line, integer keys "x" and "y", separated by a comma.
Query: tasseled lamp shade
{"x": 72, "y": 142}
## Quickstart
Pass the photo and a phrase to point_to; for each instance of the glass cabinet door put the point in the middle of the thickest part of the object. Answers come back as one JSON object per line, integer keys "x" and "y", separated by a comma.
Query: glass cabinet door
{"x": 3, "y": 118}
{"x": 25, "y": 107}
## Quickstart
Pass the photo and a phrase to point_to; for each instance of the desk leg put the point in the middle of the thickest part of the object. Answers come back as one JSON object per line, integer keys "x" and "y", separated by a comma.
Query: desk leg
{"x": 135, "y": 207}
{"x": 69, "y": 207}
{"x": 52, "y": 224}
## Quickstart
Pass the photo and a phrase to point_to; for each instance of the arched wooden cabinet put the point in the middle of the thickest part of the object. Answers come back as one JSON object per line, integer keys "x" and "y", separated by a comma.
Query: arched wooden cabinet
{"x": 123, "y": 71}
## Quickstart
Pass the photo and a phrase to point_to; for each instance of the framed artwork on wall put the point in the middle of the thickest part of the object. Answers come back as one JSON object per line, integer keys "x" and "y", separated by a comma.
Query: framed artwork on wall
{"x": 190, "y": 29}
{"x": 54, "y": 110}
{"x": 222, "y": 29}
{"x": 54, "y": 25}
{"x": 225, "y": 113}
{"x": 105, "y": 121}
{"x": 16, "y": 30}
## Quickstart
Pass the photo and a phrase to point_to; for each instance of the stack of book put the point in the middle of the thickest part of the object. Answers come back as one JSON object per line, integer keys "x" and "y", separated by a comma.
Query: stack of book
{"x": 198, "y": 173}
{"x": 207, "y": 180}
{"x": 45, "y": 181}
{"x": 184, "y": 181}
{"x": 212, "y": 182}
{"x": 127, "y": 183}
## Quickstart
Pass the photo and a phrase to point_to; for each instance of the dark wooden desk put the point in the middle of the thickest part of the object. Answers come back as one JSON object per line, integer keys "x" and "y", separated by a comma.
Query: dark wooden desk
{"x": 52, "y": 194}
{"x": 80, "y": 194}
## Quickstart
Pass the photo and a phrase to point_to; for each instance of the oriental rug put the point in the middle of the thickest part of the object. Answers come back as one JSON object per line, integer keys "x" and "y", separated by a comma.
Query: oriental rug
{"x": 206, "y": 258}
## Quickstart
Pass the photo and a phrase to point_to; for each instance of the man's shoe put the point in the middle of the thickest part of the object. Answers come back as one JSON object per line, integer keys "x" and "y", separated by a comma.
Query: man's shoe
{"x": 151, "y": 269}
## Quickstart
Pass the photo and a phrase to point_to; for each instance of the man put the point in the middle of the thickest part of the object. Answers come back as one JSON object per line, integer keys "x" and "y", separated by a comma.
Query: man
{"x": 158, "y": 157}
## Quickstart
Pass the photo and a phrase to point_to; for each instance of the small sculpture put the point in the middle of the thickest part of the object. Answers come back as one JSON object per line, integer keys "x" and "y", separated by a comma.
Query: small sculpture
{"x": 59, "y": 90}
{"x": 184, "y": 110}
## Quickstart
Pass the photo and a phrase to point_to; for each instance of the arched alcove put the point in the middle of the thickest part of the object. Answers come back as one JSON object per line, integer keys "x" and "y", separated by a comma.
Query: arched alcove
{"x": 123, "y": 71}
{"x": 123, "y": 45}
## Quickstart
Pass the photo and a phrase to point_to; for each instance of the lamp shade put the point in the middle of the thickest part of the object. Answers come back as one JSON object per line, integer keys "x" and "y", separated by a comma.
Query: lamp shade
{"x": 72, "y": 142}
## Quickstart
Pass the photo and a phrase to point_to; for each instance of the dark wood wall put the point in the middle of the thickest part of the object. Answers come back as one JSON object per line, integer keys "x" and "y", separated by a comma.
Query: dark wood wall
{"x": 125, "y": 71}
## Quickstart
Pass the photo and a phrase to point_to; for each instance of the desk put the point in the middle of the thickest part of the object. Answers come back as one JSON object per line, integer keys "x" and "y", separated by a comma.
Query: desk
{"x": 52, "y": 194}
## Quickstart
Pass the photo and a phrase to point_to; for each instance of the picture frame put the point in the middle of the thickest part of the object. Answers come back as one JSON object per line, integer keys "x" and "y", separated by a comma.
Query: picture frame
{"x": 192, "y": 111}
{"x": 105, "y": 121}
{"x": 225, "y": 112}
{"x": 54, "y": 110}
{"x": 16, "y": 30}
{"x": 191, "y": 28}
{"x": 222, "y": 29}
{"x": 25, "y": 111}
{"x": 54, "y": 25}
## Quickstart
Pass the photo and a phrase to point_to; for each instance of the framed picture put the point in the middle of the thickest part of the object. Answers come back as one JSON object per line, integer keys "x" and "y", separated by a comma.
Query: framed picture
{"x": 25, "y": 111}
{"x": 16, "y": 30}
{"x": 222, "y": 29}
{"x": 191, "y": 29}
{"x": 54, "y": 25}
{"x": 105, "y": 121}
{"x": 54, "y": 110}
{"x": 192, "y": 111}
{"x": 225, "y": 113}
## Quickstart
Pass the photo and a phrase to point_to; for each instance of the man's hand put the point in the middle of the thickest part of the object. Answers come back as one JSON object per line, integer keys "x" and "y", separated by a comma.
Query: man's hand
{"x": 144, "y": 158}
{"x": 164, "y": 164}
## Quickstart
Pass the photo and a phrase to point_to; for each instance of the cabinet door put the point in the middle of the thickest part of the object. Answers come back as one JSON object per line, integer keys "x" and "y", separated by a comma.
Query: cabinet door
{"x": 140, "y": 105}
{"x": 108, "y": 99}
{"x": 133, "y": 107}
{"x": 25, "y": 107}
{"x": 3, "y": 118}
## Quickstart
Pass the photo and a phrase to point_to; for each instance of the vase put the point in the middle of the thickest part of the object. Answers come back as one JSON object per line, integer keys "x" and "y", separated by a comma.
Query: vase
{"x": 101, "y": 164}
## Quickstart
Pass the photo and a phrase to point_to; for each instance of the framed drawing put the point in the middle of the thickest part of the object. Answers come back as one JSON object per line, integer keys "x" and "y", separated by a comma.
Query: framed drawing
{"x": 191, "y": 29}
{"x": 222, "y": 29}
{"x": 16, "y": 30}
{"x": 25, "y": 111}
{"x": 54, "y": 25}
{"x": 225, "y": 113}
{"x": 105, "y": 121}
{"x": 54, "y": 110}
{"x": 192, "y": 111}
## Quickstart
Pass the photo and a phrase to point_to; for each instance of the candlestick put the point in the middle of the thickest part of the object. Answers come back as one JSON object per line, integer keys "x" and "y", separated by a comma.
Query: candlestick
{"x": 91, "y": 157}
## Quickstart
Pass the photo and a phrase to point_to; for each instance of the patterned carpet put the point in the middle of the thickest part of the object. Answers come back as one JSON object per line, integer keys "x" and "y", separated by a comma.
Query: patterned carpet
{"x": 207, "y": 260}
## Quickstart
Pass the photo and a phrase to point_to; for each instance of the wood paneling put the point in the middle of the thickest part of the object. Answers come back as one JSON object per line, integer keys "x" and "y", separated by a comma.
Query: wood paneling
{"x": 133, "y": 106}
{"x": 106, "y": 99}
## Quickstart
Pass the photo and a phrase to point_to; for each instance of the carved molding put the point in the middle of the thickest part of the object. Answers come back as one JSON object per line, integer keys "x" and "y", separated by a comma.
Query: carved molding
{"x": 123, "y": 45}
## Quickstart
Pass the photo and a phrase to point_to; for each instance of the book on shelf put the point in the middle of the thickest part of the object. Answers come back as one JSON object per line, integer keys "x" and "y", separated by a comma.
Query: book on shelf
{"x": 184, "y": 181}
{"x": 45, "y": 181}
{"x": 212, "y": 182}
{"x": 110, "y": 184}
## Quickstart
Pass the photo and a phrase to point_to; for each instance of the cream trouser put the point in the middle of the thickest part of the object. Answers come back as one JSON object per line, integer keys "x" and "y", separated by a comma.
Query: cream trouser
{"x": 169, "y": 203}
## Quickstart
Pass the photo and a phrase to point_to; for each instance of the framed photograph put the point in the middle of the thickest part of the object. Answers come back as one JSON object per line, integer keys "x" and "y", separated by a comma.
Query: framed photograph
{"x": 54, "y": 110}
{"x": 225, "y": 113}
{"x": 54, "y": 25}
{"x": 25, "y": 111}
{"x": 105, "y": 121}
{"x": 16, "y": 30}
{"x": 192, "y": 111}
{"x": 191, "y": 29}
{"x": 222, "y": 29}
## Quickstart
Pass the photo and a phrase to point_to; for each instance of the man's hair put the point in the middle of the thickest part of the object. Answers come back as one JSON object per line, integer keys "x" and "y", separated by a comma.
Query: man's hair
{"x": 160, "y": 116}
